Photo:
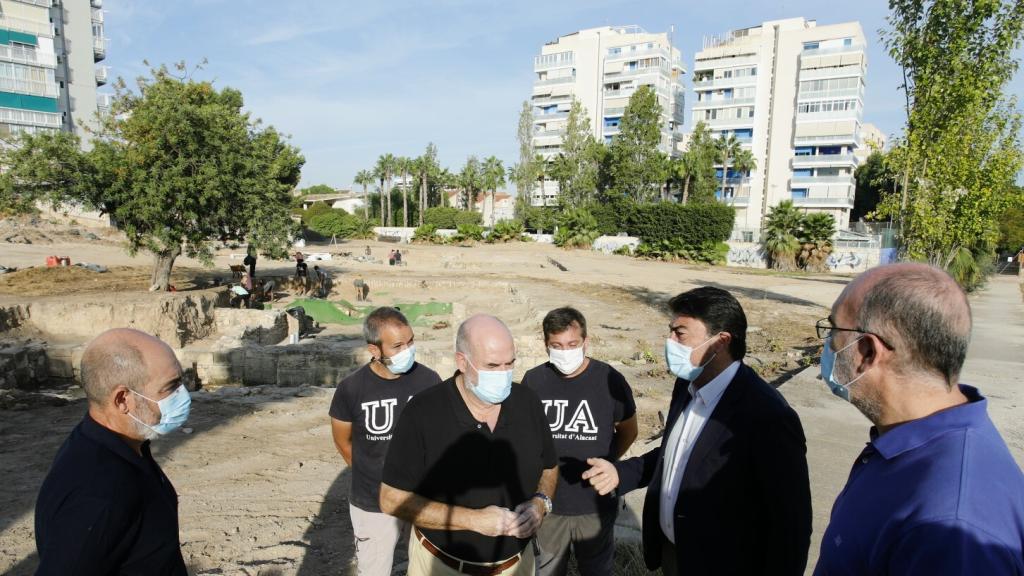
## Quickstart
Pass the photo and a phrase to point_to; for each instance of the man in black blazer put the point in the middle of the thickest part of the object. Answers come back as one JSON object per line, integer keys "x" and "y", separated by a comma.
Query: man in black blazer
{"x": 727, "y": 490}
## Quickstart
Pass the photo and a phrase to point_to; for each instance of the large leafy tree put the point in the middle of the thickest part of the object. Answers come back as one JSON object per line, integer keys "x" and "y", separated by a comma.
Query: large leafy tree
{"x": 385, "y": 169}
{"x": 636, "y": 166}
{"x": 178, "y": 165}
{"x": 526, "y": 170}
{"x": 575, "y": 167}
{"x": 427, "y": 169}
{"x": 960, "y": 151}
{"x": 470, "y": 179}
{"x": 873, "y": 180}
{"x": 695, "y": 169}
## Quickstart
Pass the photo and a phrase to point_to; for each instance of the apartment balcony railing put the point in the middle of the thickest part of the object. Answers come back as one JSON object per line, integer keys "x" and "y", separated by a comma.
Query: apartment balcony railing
{"x": 823, "y": 201}
{"x": 32, "y": 87}
{"x": 717, "y": 122}
{"x": 829, "y": 94}
{"x": 99, "y": 47}
{"x": 823, "y": 160}
{"x": 722, "y": 103}
{"x": 548, "y": 61}
{"x": 556, "y": 80}
{"x": 101, "y": 75}
{"x": 541, "y": 118}
{"x": 104, "y": 101}
{"x": 629, "y": 55}
{"x": 638, "y": 72}
{"x": 27, "y": 56}
{"x": 18, "y": 116}
{"x": 548, "y": 99}
{"x": 97, "y": 15}
{"x": 23, "y": 25}
{"x": 832, "y": 72}
{"x": 619, "y": 93}
{"x": 857, "y": 114}
{"x": 829, "y": 139}
{"x": 735, "y": 200}
{"x": 848, "y": 179}
{"x": 615, "y": 111}
{"x": 724, "y": 82}
{"x": 43, "y": 3}
{"x": 96, "y": 3}
{"x": 549, "y": 133}
{"x": 833, "y": 50}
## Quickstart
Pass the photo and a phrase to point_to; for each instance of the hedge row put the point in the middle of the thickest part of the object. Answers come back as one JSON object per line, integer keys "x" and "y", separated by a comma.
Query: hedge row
{"x": 692, "y": 224}
{"x": 449, "y": 218}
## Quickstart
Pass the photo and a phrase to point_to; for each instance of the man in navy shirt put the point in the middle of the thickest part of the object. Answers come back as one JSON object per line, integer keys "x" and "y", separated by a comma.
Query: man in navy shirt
{"x": 106, "y": 507}
{"x": 936, "y": 490}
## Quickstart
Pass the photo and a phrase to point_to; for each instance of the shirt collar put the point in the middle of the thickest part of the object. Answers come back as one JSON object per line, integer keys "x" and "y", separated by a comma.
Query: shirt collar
{"x": 713, "y": 390}
{"x": 112, "y": 441}
{"x": 916, "y": 433}
{"x": 462, "y": 412}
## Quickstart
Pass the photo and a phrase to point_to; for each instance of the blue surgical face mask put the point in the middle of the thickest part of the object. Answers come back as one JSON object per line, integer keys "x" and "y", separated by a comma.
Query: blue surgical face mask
{"x": 677, "y": 356}
{"x": 174, "y": 411}
{"x": 402, "y": 362}
{"x": 828, "y": 364}
{"x": 492, "y": 386}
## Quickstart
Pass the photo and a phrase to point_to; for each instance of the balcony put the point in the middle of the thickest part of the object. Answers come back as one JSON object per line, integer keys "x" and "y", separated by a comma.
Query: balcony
{"x": 629, "y": 55}
{"x": 18, "y": 116}
{"x": 97, "y": 16}
{"x": 96, "y": 3}
{"x": 832, "y": 50}
{"x": 32, "y": 56}
{"x": 847, "y": 179}
{"x": 103, "y": 102}
{"x": 549, "y": 61}
{"x": 623, "y": 93}
{"x": 824, "y": 202}
{"x": 823, "y": 160}
{"x": 722, "y": 103}
{"x": 99, "y": 48}
{"x": 637, "y": 72}
{"x": 29, "y": 26}
{"x": 43, "y": 3}
{"x": 723, "y": 122}
{"x": 734, "y": 200}
{"x": 550, "y": 116}
{"x": 832, "y": 72}
{"x": 826, "y": 140}
{"x": 31, "y": 87}
{"x": 556, "y": 80}
{"x": 101, "y": 75}
{"x": 856, "y": 114}
{"x": 829, "y": 94}
{"x": 615, "y": 111}
{"x": 726, "y": 82}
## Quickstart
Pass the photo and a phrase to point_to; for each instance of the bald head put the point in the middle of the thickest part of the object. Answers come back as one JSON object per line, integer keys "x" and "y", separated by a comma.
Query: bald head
{"x": 917, "y": 309}
{"x": 482, "y": 332}
{"x": 125, "y": 357}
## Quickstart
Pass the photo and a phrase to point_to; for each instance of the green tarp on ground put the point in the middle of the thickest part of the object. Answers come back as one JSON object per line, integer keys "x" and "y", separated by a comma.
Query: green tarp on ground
{"x": 345, "y": 313}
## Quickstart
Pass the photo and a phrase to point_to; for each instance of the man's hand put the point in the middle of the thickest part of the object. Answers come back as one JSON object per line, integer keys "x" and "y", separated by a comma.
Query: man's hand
{"x": 530, "y": 515}
{"x": 495, "y": 521}
{"x": 602, "y": 475}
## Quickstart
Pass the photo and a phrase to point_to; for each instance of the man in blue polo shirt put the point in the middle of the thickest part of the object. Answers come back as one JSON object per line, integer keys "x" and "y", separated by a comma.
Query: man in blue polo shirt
{"x": 936, "y": 490}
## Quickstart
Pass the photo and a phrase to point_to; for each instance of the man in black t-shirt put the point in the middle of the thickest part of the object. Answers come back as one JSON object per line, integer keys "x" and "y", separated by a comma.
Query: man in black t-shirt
{"x": 591, "y": 412}
{"x": 364, "y": 411}
{"x": 472, "y": 465}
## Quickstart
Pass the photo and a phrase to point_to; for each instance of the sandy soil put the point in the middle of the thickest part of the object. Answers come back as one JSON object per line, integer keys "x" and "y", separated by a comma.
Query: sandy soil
{"x": 262, "y": 490}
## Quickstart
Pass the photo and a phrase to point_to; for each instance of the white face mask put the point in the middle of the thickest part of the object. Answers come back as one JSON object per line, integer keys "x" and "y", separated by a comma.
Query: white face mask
{"x": 567, "y": 361}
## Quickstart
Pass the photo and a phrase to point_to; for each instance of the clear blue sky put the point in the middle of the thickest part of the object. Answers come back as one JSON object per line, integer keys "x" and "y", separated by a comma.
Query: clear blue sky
{"x": 352, "y": 80}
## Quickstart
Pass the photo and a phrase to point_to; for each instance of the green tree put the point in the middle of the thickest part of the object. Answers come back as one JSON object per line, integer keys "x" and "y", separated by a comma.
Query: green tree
{"x": 525, "y": 174}
{"x": 577, "y": 228}
{"x": 364, "y": 178}
{"x": 960, "y": 150}
{"x": 575, "y": 167}
{"x": 1011, "y": 224}
{"x": 815, "y": 235}
{"x": 695, "y": 169}
{"x": 49, "y": 168}
{"x": 317, "y": 189}
{"x": 873, "y": 180}
{"x": 470, "y": 180}
{"x": 636, "y": 166}
{"x": 492, "y": 177}
{"x": 385, "y": 171}
{"x": 427, "y": 169}
{"x": 731, "y": 154}
{"x": 177, "y": 165}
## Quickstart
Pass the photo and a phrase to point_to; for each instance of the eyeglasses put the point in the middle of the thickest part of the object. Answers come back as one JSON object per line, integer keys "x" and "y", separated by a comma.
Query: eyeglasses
{"x": 825, "y": 329}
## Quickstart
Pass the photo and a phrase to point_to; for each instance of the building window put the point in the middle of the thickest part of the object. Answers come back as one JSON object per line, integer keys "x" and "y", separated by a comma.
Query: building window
{"x": 847, "y": 41}
{"x": 811, "y": 45}
{"x": 798, "y": 193}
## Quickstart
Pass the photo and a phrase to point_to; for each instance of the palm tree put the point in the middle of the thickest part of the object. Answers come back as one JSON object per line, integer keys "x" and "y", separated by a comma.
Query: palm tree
{"x": 404, "y": 166}
{"x": 469, "y": 178}
{"x": 365, "y": 178}
{"x": 493, "y": 176}
{"x": 732, "y": 153}
{"x": 386, "y": 171}
{"x": 427, "y": 168}
{"x": 380, "y": 172}
{"x": 781, "y": 227}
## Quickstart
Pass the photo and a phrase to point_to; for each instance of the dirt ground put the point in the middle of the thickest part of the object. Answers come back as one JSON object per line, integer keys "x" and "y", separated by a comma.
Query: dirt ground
{"x": 262, "y": 489}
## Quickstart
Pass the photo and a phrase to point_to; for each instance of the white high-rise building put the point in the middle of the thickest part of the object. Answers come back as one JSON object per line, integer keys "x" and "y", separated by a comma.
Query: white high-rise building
{"x": 602, "y": 68}
{"x": 792, "y": 92}
{"x": 48, "y": 72}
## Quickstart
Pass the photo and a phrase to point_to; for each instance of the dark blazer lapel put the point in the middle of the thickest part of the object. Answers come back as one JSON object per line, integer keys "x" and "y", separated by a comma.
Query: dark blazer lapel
{"x": 716, "y": 429}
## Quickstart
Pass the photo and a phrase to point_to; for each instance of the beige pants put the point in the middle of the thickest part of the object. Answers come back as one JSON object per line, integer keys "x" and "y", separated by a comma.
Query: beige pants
{"x": 423, "y": 563}
{"x": 376, "y": 536}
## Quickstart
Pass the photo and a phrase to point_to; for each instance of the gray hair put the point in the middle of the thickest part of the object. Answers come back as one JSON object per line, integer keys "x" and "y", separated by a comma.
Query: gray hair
{"x": 925, "y": 316}
{"x": 107, "y": 366}
{"x": 378, "y": 319}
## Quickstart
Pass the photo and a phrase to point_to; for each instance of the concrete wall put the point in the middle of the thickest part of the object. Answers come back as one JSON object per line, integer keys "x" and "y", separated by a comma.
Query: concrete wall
{"x": 842, "y": 260}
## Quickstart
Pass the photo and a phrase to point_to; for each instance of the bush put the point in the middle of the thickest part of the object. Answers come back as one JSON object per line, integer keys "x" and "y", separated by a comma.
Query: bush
{"x": 624, "y": 250}
{"x": 468, "y": 232}
{"x": 612, "y": 216}
{"x": 691, "y": 225}
{"x": 466, "y": 218}
{"x": 577, "y": 228}
{"x": 425, "y": 233}
{"x": 708, "y": 252}
{"x": 339, "y": 223}
{"x": 315, "y": 209}
{"x": 539, "y": 218}
{"x": 506, "y": 231}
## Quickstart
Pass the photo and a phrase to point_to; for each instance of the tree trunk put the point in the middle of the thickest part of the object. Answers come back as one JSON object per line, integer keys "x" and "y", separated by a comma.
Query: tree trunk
{"x": 543, "y": 195}
{"x": 405, "y": 199}
{"x": 725, "y": 174}
{"x": 162, "y": 263}
{"x": 382, "y": 212}
{"x": 388, "y": 201}
{"x": 686, "y": 189}
{"x": 423, "y": 196}
{"x": 493, "y": 194}
{"x": 366, "y": 204}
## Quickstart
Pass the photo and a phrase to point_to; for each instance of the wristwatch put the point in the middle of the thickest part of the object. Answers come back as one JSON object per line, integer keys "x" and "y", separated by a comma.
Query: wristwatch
{"x": 547, "y": 502}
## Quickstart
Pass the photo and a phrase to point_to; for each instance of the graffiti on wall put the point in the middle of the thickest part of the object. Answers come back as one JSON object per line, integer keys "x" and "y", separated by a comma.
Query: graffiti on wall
{"x": 750, "y": 257}
{"x": 840, "y": 260}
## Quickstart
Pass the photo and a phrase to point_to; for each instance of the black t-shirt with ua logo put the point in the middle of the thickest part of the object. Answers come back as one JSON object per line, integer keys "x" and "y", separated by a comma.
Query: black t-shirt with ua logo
{"x": 373, "y": 405}
{"x": 581, "y": 412}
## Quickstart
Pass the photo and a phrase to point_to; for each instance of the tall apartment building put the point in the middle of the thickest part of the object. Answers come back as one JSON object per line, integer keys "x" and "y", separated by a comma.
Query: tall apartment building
{"x": 48, "y": 73}
{"x": 602, "y": 68}
{"x": 792, "y": 92}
